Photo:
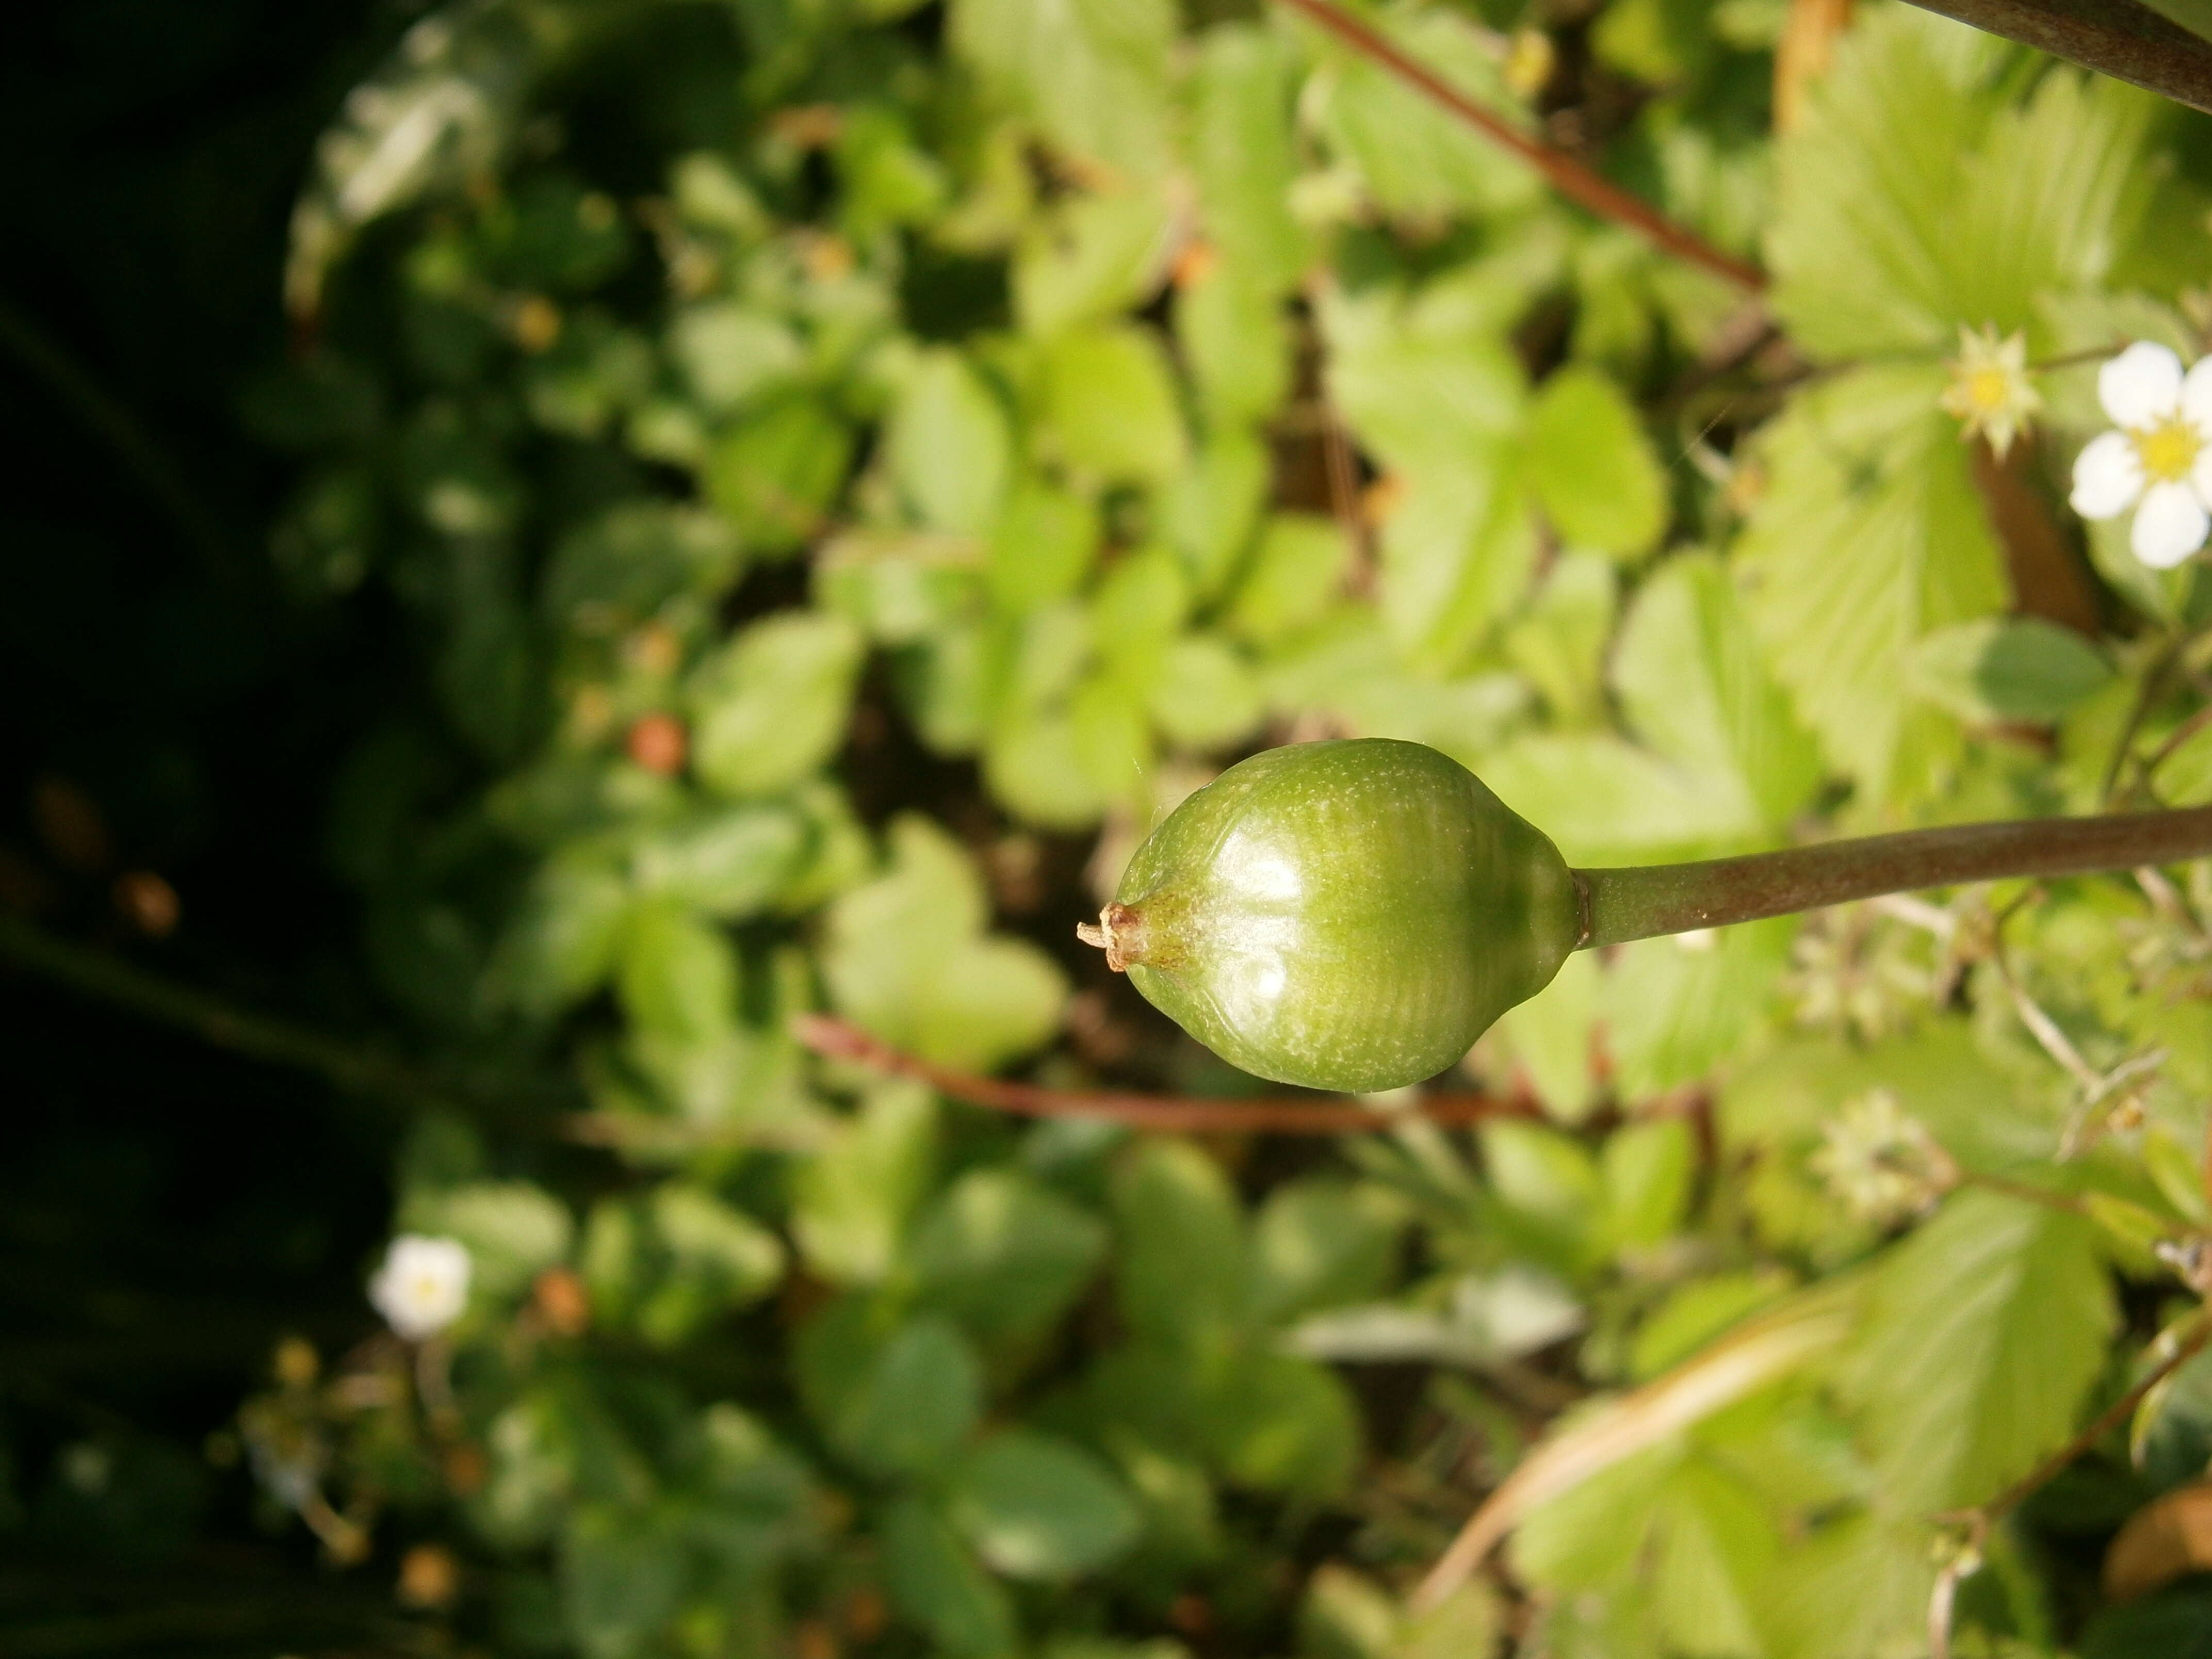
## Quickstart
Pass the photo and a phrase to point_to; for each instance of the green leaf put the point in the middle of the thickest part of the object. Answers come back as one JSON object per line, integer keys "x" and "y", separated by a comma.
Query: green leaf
{"x": 2009, "y": 669}
{"x": 621, "y": 1575}
{"x": 565, "y": 937}
{"x": 513, "y": 1230}
{"x": 1140, "y": 604}
{"x": 2174, "y": 1623}
{"x": 1035, "y": 766}
{"x": 1005, "y": 1254}
{"x": 1111, "y": 402}
{"x": 1419, "y": 162}
{"x": 1037, "y": 1507}
{"x": 1237, "y": 343}
{"x": 1692, "y": 682}
{"x": 774, "y": 473}
{"x": 1910, "y": 203}
{"x": 851, "y": 1200}
{"x": 1244, "y": 149}
{"x": 731, "y": 354}
{"x": 665, "y": 1265}
{"x": 1278, "y": 1423}
{"x": 1869, "y": 535}
{"x": 1549, "y": 1035}
{"x": 1092, "y": 74}
{"x": 678, "y": 976}
{"x": 1986, "y": 1330}
{"x": 1180, "y": 1269}
{"x": 1202, "y": 695}
{"x": 1457, "y": 551}
{"x": 1318, "y": 1243}
{"x": 1559, "y": 637}
{"x": 1208, "y": 513}
{"x": 770, "y": 705}
{"x": 1090, "y": 257}
{"x": 1605, "y": 801}
{"x": 1295, "y": 575}
{"x": 723, "y": 862}
{"x": 936, "y": 1584}
{"x": 1675, "y": 1009}
{"x": 906, "y": 957}
{"x": 1042, "y": 548}
{"x": 1421, "y": 381}
{"x": 1591, "y": 467}
{"x": 1646, "y": 1169}
{"x": 918, "y": 1398}
{"x": 949, "y": 446}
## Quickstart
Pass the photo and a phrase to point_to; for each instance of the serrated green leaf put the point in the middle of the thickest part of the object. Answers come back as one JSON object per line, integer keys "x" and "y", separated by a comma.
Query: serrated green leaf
{"x": 1605, "y": 801}
{"x": 1984, "y": 1332}
{"x": 1677, "y": 1008}
{"x": 1693, "y": 683}
{"x": 1869, "y": 535}
{"x": 665, "y": 1265}
{"x": 1036, "y": 768}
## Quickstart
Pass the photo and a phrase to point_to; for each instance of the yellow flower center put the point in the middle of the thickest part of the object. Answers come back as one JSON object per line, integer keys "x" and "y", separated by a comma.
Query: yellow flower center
{"x": 1989, "y": 390}
{"x": 2168, "y": 450}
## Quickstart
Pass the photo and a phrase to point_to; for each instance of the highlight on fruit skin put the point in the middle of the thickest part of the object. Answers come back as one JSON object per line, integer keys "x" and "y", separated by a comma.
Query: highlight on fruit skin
{"x": 1349, "y": 914}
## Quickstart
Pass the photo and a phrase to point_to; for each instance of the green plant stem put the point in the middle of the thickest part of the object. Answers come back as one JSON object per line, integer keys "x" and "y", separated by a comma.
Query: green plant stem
{"x": 1646, "y": 901}
{"x": 97, "y": 975}
{"x": 1566, "y": 174}
{"x": 2123, "y": 39}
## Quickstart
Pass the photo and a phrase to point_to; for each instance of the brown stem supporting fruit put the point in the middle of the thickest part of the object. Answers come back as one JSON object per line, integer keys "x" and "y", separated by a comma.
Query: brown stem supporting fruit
{"x": 1647, "y": 901}
{"x": 1170, "y": 1114}
{"x": 1566, "y": 174}
{"x": 2123, "y": 39}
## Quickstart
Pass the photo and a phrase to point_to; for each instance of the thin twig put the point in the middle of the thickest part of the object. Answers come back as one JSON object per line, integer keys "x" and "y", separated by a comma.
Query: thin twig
{"x": 1566, "y": 175}
{"x": 835, "y": 1040}
{"x": 2186, "y": 1348}
{"x": 100, "y": 413}
{"x": 109, "y": 979}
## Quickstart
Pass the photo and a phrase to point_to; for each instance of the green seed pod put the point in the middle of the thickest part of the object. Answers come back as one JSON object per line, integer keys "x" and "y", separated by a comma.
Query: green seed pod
{"x": 1350, "y": 915}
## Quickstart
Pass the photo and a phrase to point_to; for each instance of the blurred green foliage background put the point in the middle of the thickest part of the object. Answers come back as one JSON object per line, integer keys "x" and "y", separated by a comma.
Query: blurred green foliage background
{"x": 553, "y": 539}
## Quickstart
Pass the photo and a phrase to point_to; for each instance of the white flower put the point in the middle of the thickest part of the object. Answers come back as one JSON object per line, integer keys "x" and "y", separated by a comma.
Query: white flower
{"x": 422, "y": 1285}
{"x": 2160, "y": 461}
{"x": 1990, "y": 391}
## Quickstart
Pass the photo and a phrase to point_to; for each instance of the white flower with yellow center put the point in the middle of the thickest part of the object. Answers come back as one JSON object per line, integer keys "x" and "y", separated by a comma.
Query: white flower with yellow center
{"x": 1990, "y": 391}
{"x": 2160, "y": 461}
{"x": 422, "y": 1285}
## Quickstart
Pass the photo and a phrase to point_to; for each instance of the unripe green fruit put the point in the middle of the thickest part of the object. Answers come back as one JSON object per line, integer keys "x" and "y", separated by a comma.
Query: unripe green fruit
{"x": 1350, "y": 915}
